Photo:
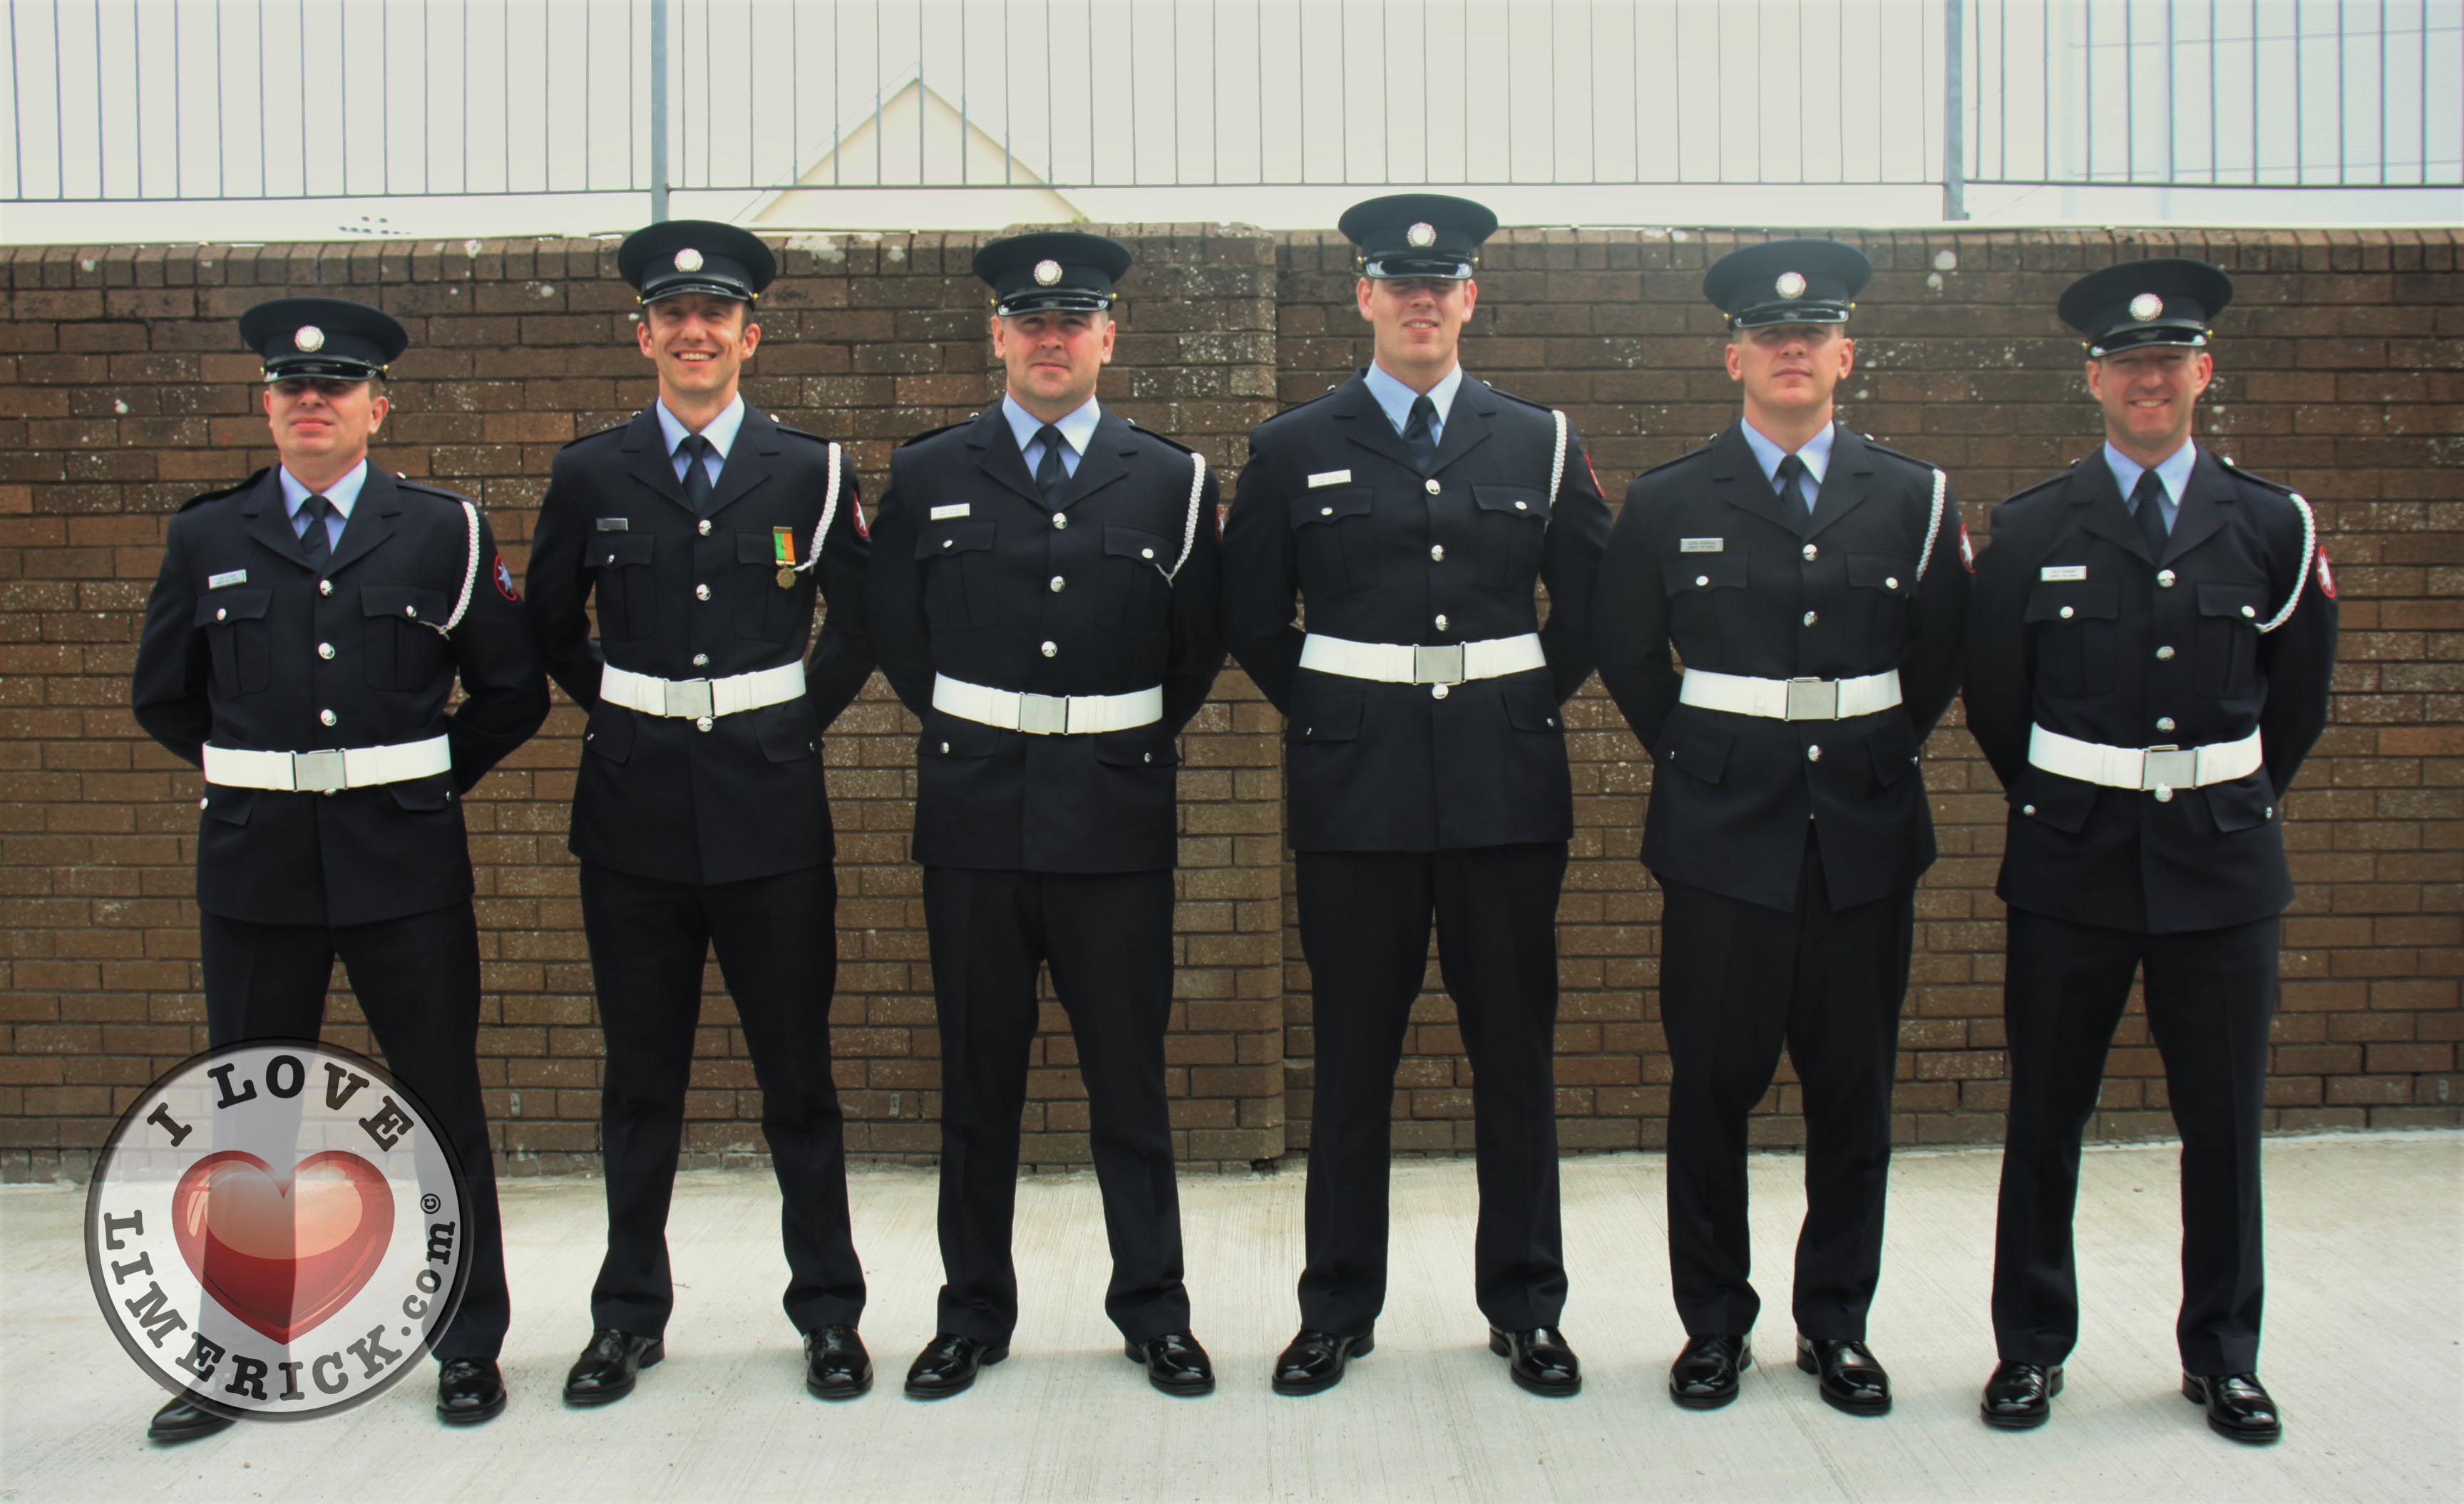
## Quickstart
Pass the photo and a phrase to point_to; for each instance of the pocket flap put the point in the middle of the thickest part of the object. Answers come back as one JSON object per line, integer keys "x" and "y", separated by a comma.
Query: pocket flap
{"x": 787, "y": 730}
{"x": 1522, "y": 501}
{"x": 1530, "y": 704}
{"x": 1704, "y": 572}
{"x": 1142, "y": 747}
{"x": 230, "y": 806}
{"x": 2068, "y": 600}
{"x": 231, "y": 605}
{"x": 1882, "y": 572}
{"x": 409, "y": 602}
{"x": 1120, "y": 542}
{"x": 2052, "y": 800}
{"x": 954, "y": 536}
{"x": 1331, "y": 504}
{"x": 617, "y": 549}
{"x": 610, "y": 733}
{"x": 1697, "y": 748}
{"x": 1895, "y": 749}
{"x": 2243, "y": 803}
{"x": 949, "y": 736}
{"x": 2244, "y": 603}
{"x": 431, "y": 792}
{"x": 1324, "y": 712}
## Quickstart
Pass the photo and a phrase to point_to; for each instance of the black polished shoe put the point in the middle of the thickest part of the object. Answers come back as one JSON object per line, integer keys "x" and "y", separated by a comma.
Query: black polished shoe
{"x": 604, "y": 1371}
{"x": 1314, "y": 1361}
{"x": 1852, "y": 1380}
{"x": 1539, "y": 1360}
{"x": 469, "y": 1390}
{"x": 184, "y": 1420}
{"x": 1705, "y": 1375}
{"x": 2238, "y": 1405}
{"x": 836, "y": 1366}
{"x": 1174, "y": 1363}
{"x": 948, "y": 1366}
{"x": 2020, "y": 1397}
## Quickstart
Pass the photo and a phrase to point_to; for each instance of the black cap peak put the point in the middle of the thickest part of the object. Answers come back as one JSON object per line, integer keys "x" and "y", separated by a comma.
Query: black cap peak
{"x": 696, "y": 255}
{"x": 1419, "y": 235}
{"x": 1065, "y": 270}
{"x": 326, "y": 337}
{"x": 2162, "y": 300}
{"x": 1788, "y": 282}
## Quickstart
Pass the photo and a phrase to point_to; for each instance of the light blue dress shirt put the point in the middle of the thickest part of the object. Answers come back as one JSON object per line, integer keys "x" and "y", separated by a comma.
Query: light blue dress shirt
{"x": 721, "y": 432}
{"x": 1816, "y": 455}
{"x": 1394, "y": 399}
{"x": 2174, "y": 471}
{"x": 1077, "y": 431}
{"x": 343, "y": 493}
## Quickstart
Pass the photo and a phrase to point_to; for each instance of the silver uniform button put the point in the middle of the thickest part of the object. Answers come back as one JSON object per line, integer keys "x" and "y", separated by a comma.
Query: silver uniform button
{"x": 1430, "y": 486}
{"x": 701, "y": 660}
{"x": 2164, "y": 723}
{"x": 2027, "y": 809}
{"x": 325, "y": 650}
{"x": 1326, "y": 511}
{"x": 1146, "y": 553}
{"x": 702, "y": 591}
{"x": 221, "y": 614}
{"x": 201, "y": 804}
{"x": 1523, "y": 506}
{"x": 328, "y": 717}
{"x": 1812, "y": 553}
{"x": 2250, "y": 611}
{"x": 1146, "y": 756}
{"x": 2068, "y": 613}
{"x": 2165, "y": 578}
{"x": 1059, "y": 584}
{"x": 701, "y": 723}
{"x": 2165, "y": 654}
{"x": 1437, "y": 692}
{"x": 411, "y": 612}
{"x": 2164, "y": 794}
{"x": 1891, "y": 582}
{"x": 1442, "y": 620}
{"x": 1701, "y": 580}
{"x": 1061, "y": 519}
{"x": 702, "y": 527}
{"x": 1814, "y": 755}
{"x": 324, "y": 587}
{"x": 1051, "y": 649}
{"x": 945, "y": 747}
{"x": 1810, "y": 618}
{"x": 1436, "y": 553}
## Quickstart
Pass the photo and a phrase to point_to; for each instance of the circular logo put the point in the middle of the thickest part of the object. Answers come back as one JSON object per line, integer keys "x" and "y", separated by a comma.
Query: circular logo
{"x": 2146, "y": 306}
{"x": 1422, "y": 234}
{"x": 309, "y": 337}
{"x": 1046, "y": 272}
{"x": 1791, "y": 284}
{"x": 689, "y": 259}
{"x": 276, "y": 1230}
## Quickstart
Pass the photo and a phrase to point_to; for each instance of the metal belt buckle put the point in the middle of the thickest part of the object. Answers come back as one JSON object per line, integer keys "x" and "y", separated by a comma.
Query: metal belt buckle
{"x": 317, "y": 773}
{"x": 1813, "y": 700}
{"x": 2169, "y": 767}
{"x": 1437, "y": 665}
{"x": 1044, "y": 714}
{"x": 688, "y": 699}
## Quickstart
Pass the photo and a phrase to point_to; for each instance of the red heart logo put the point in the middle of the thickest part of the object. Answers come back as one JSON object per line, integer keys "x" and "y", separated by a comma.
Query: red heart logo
{"x": 282, "y": 1257}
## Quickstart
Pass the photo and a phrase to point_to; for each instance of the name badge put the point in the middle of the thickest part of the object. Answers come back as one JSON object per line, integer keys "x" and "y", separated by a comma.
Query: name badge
{"x": 614, "y": 524}
{"x": 1702, "y": 545}
{"x": 954, "y": 509}
{"x": 228, "y": 576}
{"x": 2062, "y": 572}
{"x": 1329, "y": 478}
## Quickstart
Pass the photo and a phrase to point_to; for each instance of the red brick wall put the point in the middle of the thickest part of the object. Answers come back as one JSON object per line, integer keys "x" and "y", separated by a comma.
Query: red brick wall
{"x": 121, "y": 395}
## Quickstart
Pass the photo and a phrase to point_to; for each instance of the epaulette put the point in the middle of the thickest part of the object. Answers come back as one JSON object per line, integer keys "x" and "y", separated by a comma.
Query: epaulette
{"x": 227, "y": 490}
{"x": 1306, "y": 401}
{"x": 2047, "y": 484}
{"x": 2277, "y": 487}
{"x": 932, "y": 433}
{"x": 1516, "y": 397}
{"x": 800, "y": 433}
{"x": 405, "y": 483}
{"x": 1668, "y": 464}
{"x": 1879, "y": 447}
{"x": 1164, "y": 438}
{"x": 599, "y": 433}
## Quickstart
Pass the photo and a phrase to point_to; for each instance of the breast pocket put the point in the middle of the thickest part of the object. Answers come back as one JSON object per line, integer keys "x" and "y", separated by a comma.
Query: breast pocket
{"x": 1703, "y": 589}
{"x": 2076, "y": 636}
{"x": 1134, "y": 584}
{"x": 2229, "y": 618}
{"x": 1879, "y": 588}
{"x": 239, "y": 638}
{"x": 956, "y": 558}
{"x": 625, "y": 593}
{"x": 768, "y": 610}
{"x": 403, "y": 641}
{"x": 1329, "y": 529}
{"x": 1509, "y": 522}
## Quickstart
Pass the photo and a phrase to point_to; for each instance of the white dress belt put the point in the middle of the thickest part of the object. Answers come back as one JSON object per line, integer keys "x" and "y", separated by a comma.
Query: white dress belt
{"x": 1046, "y": 715}
{"x": 2160, "y": 770}
{"x": 326, "y": 772}
{"x": 1791, "y": 699}
{"x": 1417, "y": 663}
{"x": 701, "y": 698}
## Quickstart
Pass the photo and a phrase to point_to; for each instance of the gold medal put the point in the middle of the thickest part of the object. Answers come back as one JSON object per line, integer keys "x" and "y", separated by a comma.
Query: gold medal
{"x": 786, "y": 578}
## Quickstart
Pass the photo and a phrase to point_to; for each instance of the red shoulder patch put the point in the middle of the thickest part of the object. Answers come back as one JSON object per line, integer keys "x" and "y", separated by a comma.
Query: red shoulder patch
{"x": 1220, "y": 509}
{"x": 1966, "y": 550}
{"x": 1595, "y": 475}
{"x": 505, "y": 581}
{"x": 2326, "y": 576}
{"x": 857, "y": 502}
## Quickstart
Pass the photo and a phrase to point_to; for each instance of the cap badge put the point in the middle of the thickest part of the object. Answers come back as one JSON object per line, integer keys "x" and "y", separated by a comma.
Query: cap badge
{"x": 1791, "y": 284}
{"x": 1422, "y": 233}
{"x": 310, "y": 339}
{"x": 1046, "y": 272}
{"x": 2146, "y": 306}
{"x": 689, "y": 259}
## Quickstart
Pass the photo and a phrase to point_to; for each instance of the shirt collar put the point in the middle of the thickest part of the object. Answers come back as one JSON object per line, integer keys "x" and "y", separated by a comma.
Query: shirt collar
{"x": 2174, "y": 469}
{"x": 1077, "y": 429}
{"x": 1815, "y": 453}
{"x": 343, "y": 493}
{"x": 1394, "y": 399}
{"x": 720, "y": 431}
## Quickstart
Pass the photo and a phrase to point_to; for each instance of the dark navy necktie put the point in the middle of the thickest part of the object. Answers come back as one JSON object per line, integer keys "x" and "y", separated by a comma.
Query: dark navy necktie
{"x": 313, "y": 540}
{"x": 1793, "y": 479}
{"x": 1420, "y": 432}
{"x": 2147, "y": 504}
{"x": 1049, "y": 472}
{"x": 697, "y": 477}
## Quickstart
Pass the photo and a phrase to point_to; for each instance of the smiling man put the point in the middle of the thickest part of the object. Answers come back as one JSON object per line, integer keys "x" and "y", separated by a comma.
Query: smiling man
{"x": 2149, "y": 656}
{"x": 1811, "y": 583}
{"x": 699, "y": 534}
{"x": 1044, "y": 602}
{"x": 302, "y": 644}
{"x": 1412, "y": 510}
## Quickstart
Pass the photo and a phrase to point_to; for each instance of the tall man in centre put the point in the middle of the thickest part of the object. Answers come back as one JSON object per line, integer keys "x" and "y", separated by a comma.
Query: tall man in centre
{"x": 1044, "y": 594}
{"x": 1410, "y": 509}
